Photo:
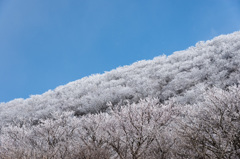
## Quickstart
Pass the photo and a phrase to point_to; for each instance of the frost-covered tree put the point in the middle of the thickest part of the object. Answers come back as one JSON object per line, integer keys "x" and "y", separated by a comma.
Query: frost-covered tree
{"x": 214, "y": 130}
{"x": 146, "y": 129}
{"x": 130, "y": 131}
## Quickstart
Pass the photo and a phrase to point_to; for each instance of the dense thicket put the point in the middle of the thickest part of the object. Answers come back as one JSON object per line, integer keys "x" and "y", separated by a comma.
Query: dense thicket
{"x": 183, "y": 75}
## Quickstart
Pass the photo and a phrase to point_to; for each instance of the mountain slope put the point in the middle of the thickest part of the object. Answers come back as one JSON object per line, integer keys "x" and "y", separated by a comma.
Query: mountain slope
{"x": 183, "y": 75}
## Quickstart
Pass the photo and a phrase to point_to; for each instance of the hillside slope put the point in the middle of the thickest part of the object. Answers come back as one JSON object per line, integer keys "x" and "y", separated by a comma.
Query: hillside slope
{"x": 183, "y": 75}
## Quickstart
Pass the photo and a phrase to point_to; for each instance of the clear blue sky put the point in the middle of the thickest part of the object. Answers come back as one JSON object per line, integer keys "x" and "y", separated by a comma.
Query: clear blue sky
{"x": 47, "y": 43}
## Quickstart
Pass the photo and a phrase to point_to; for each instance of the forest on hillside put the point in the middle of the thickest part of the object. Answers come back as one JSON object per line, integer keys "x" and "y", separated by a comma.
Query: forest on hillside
{"x": 147, "y": 129}
{"x": 186, "y": 105}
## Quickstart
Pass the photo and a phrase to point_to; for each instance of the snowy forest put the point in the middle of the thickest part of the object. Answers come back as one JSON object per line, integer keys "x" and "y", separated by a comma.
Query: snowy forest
{"x": 186, "y": 105}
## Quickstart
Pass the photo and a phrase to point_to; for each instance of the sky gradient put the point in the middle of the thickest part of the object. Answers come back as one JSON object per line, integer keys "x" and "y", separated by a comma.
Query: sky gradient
{"x": 47, "y": 43}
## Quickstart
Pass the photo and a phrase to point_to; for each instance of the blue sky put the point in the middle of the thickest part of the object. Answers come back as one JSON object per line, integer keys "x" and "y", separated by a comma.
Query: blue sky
{"x": 47, "y": 43}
